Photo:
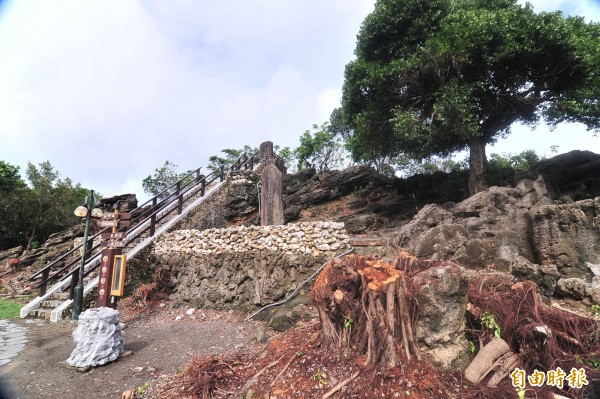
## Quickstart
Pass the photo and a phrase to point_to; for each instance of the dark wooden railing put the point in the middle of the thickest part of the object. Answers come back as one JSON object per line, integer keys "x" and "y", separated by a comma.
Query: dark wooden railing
{"x": 153, "y": 210}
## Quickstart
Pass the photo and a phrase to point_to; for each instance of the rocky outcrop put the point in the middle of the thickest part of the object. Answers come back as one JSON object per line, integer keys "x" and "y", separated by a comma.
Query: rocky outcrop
{"x": 571, "y": 176}
{"x": 123, "y": 202}
{"x": 9, "y": 254}
{"x": 375, "y": 200}
{"x": 518, "y": 230}
{"x": 235, "y": 203}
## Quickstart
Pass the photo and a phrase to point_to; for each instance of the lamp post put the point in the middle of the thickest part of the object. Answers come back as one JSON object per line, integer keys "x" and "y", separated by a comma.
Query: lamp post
{"x": 83, "y": 211}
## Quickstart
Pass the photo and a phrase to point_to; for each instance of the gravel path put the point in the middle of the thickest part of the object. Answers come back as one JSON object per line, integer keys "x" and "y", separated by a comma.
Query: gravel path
{"x": 162, "y": 343}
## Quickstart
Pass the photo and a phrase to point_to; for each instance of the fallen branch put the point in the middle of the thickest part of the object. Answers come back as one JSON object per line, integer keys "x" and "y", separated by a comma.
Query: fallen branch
{"x": 302, "y": 284}
{"x": 268, "y": 366}
{"x": 251, "y": 381}
{"x": 284, "y": 368}
{"x": 341, "y": 385}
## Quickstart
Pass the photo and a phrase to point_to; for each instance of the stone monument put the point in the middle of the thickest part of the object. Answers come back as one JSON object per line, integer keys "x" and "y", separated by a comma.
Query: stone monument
{"x": 271, "y": 198}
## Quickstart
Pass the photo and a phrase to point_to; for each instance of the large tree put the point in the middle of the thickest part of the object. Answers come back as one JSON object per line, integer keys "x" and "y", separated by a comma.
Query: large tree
{"x": 436, "y": 76}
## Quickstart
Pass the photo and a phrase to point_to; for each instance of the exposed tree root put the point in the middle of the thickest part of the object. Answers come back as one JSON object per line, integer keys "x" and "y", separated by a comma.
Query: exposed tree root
{"x": 362, "y": 304}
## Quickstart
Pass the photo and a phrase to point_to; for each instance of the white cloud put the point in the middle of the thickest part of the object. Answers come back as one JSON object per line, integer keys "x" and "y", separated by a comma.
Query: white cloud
{"x": 108, "y": 90}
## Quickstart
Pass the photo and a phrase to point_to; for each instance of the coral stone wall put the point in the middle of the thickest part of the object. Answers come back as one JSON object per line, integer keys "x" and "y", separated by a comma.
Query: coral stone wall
{"x": 246, "y": 266}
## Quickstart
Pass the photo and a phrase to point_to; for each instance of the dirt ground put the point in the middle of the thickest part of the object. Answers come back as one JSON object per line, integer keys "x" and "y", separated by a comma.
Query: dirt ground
{"x": 162, "y": 342}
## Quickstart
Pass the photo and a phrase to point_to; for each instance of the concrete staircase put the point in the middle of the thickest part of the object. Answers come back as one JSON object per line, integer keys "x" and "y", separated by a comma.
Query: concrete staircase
{"x": 56, "y": 300}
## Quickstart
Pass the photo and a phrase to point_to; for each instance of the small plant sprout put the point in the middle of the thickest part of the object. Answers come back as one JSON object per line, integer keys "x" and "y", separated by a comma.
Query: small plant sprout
{"x": 319, "y": 376}
{"x": 348, "y": 322}
{"x": 596, "y": 310}
{"x": 141, "y": 390}
{"x": 489, "y": 320}
{"x": 472, "y": 347}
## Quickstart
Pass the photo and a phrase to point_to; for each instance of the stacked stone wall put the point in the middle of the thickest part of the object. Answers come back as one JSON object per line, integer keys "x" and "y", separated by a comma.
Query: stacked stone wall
{"x": 246, "y": 267}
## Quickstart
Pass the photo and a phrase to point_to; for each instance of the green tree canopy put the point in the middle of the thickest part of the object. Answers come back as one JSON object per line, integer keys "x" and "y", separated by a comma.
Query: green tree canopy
{"x": 163, "y": 178}
{"x": 436, "y": 76}
{"x": 228, "y": 157}
{"x": 47, "y": 205}
{"x": 322, "y": 149}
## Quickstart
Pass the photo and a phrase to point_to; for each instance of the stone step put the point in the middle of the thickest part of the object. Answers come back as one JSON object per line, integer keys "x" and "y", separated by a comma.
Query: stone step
{"x": 60, "y": 296}
{"x": 42, "y": 313}
{"x": 52, "y": 303}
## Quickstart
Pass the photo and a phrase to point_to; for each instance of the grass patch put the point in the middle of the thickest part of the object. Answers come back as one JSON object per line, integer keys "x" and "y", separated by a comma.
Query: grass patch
{"x": 9, "y": 309}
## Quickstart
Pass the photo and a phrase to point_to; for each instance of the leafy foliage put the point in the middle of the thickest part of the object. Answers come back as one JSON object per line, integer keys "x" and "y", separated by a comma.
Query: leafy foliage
{"x": 30, "y": 212}
{"x": 321, "y": 149}
{"x": 489, "y": 320}
{"x": 435, "y": 77}
{"x": 502, "y": 169}
{"x": 228, "y": 157}
{"x": 288, "y": 156}
{"x": 162, "y": 180}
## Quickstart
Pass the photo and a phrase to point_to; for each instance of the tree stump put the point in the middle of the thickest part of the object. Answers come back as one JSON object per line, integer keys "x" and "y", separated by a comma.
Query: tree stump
{"x": 363, "y": 307}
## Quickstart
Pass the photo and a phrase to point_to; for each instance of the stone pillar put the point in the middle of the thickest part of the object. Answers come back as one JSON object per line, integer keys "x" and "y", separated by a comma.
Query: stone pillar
{"x": 271, "y": 191}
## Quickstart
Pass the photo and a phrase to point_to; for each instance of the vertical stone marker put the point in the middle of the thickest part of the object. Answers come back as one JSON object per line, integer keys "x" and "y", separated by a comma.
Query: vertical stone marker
{"x": 98, "y": 338}
{"x": 271, "y": 201}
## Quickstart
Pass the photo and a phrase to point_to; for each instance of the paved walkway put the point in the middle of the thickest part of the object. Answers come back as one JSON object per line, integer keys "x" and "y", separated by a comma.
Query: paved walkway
{"x": 13, "y": 338}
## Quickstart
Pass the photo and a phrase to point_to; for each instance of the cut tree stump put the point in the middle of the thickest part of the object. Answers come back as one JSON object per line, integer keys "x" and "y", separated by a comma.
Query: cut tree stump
{"x": 363, "y": 306}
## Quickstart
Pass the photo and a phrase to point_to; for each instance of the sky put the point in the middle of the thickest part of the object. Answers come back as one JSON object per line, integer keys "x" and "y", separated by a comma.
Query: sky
{"x": 108, "y": 90}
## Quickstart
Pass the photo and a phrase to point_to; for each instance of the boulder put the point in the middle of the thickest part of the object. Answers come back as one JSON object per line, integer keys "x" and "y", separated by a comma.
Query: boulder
{"x": 441, "y": 293}
{"x": 545, "y": 276}
{"x": 571, "y": 176}
{"x": 123, "y": 202}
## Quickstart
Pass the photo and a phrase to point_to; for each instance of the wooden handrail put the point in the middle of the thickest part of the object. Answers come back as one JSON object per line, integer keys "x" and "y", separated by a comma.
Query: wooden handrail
{"x": 153, "y": 206}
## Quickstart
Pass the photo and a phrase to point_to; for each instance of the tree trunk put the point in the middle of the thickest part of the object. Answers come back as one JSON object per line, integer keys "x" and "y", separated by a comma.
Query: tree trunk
{"x": 363, "y": 307}
{"x": 476, "y": 163}
{"x": 30, "y": 241}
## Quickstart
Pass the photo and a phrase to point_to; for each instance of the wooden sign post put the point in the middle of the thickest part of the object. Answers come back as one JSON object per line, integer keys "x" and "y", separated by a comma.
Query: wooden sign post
{"x": 112, "y": 269}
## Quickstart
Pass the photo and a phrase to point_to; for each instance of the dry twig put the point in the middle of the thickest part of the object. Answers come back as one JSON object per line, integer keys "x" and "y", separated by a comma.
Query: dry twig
{"x": 341, "y": 385}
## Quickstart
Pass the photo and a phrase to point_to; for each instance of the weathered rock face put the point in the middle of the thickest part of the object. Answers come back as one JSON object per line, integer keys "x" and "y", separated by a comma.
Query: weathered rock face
{"x": 520, "y": 230}
{"x": 572, "y": 176}
{"x": 442, "y": 300}
{"x": 55, "y": 245}
{"x": 236, "y": 202}
{"x": 245, "y": 266}
{"x": 123, "y": 202}
{"x": 9, "y": 254}
{"x": 377, "y": 199}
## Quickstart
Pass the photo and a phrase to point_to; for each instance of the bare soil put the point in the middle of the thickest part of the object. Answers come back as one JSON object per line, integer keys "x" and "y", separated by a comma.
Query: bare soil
{"x": 162, "y": 342}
